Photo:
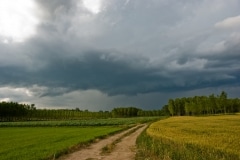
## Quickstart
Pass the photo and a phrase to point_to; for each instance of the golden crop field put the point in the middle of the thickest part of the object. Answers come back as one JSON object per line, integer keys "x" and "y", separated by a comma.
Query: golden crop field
{"x": 212, "y": 137}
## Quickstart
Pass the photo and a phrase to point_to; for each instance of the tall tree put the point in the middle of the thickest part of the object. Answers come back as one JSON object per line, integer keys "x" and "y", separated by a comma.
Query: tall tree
{"x": 171, "y": 107}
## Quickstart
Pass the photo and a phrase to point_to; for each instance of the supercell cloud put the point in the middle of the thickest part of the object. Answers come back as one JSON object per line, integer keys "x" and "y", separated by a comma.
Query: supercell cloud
{"x": 101, "y": 54}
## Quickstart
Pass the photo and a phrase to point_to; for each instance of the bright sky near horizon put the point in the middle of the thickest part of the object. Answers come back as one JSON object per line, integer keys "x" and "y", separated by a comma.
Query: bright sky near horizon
{"x": 17, "y": 20}
{"x": 100, "y": 54}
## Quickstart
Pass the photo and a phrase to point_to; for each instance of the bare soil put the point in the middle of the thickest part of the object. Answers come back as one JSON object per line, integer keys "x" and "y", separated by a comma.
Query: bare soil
{"x": 123, "y": 150}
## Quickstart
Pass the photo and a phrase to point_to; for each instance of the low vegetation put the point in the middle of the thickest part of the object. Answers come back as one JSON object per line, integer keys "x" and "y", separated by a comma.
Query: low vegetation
{"x": 48, "y": 139}
{"x": 83, "y": 122}
{"x": 46, "y": 142}
{"x": 193, "y": 138}
{"x": 30, "y": 133}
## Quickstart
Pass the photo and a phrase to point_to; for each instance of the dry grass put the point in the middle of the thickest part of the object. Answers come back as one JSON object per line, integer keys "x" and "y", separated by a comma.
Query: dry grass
{"x": 212, "y": 137}
{"x": 220, "y": 132}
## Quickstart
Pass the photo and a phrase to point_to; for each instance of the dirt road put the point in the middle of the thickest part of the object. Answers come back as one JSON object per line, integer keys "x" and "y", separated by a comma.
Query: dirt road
{"x": 123, "y": 150}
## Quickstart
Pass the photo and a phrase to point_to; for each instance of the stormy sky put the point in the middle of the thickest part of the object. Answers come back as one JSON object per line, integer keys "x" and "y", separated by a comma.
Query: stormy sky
{"x": 101, "y": 54}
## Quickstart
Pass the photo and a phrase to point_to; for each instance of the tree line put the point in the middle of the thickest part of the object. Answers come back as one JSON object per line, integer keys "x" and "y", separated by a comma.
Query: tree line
{"x": 197, "y": 105}
{"x": 203, "y": 105}
{"x": 13, "y": 111}
{"x": 135, "y": 112}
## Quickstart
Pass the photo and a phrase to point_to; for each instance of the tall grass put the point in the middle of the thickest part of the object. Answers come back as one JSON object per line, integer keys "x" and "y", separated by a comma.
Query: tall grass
{"x": 191, "y": 138}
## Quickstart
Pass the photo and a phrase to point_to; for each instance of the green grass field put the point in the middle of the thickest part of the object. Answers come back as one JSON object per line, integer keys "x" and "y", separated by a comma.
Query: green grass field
{"x": 43, "y": 142}
{"x": 193, "y": 138}
{"x": 83, "y": 122}
{"x": 44, "y": 139}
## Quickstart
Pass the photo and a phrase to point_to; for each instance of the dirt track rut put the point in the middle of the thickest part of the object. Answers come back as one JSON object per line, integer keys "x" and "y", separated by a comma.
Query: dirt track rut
{"x": 124, "y": 150}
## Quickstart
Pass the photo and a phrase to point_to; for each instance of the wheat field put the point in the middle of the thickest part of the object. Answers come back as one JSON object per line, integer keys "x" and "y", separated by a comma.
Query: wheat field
{"x": 210, "y": 137}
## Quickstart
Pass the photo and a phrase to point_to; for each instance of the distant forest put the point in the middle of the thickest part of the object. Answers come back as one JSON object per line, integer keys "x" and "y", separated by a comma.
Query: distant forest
{"x": 13, "y": 111}
{"x": 203, "y": 105}
{"x": 197, "y": 105}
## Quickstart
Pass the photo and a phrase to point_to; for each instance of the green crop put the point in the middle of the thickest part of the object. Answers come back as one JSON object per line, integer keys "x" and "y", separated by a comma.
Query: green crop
{"x": 46, "y": 142}
{"x": 84, "y": 122}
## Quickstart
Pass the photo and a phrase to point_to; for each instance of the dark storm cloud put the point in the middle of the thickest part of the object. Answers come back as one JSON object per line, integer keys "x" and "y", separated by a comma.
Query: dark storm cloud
{"x": 133, "y": 47}
{"x": 113, "y": 75}
{"x": 100, "y": 71}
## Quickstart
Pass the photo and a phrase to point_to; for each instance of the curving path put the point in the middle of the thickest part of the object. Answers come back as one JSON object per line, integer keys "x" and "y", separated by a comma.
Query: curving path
{"x": 125, "y": 149}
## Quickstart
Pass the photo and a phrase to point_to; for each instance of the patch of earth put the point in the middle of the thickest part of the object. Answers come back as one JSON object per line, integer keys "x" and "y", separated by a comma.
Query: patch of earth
{"x": 123, "y": 150}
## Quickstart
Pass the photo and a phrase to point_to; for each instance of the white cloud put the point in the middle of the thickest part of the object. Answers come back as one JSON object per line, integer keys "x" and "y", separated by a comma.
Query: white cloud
{"x": 6, "y": 91}
{"x": 94, "y": 6}
{"x": 229, "y": 23}
{"x": 5, "y": 100}
{"x": 219, "y": 47}
{"x": 18, "y": 20}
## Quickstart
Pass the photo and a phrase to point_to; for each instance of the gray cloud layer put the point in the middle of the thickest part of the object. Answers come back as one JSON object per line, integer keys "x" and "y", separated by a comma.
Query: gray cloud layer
{"x": 129, "y": 48}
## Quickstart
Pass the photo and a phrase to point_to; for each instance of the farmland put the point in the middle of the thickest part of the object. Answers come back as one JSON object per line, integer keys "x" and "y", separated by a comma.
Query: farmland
{"x": 211, "y": 137}
{"x": 42, "y": 142}
{"x": 48, "y": 139}
{"x": 83, "y": 122}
